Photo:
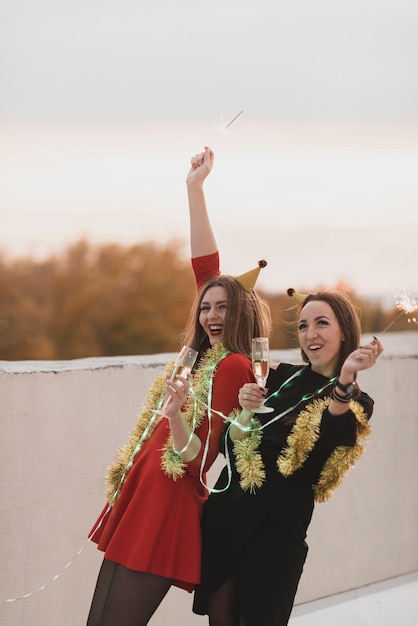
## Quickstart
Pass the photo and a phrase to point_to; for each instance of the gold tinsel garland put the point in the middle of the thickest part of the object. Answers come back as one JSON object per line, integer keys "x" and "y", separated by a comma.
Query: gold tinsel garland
{"x": 302, "y": 437}
{"x": 343, "y": 458}
{"x": 248, "y": 460}
{"x": 300, "y": 442}
{"x": 171, "y": 462}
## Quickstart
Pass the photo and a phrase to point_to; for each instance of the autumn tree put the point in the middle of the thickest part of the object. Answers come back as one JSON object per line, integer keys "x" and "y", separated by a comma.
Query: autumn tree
{"x": 113, "y": 300}
{"x": 95, "y": 301}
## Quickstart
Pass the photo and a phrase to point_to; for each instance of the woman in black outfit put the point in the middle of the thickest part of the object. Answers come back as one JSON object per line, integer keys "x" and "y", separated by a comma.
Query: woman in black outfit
{"x": 254, "y": 530}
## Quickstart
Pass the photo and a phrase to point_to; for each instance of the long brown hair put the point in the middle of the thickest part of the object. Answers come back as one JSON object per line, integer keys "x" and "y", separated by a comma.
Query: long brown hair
{"x": 247, "y": 316}
{"x": 348, "y": 320}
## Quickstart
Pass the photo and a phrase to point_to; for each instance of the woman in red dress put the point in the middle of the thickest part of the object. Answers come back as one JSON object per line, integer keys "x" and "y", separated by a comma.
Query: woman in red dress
{"x": 149, "y": 530}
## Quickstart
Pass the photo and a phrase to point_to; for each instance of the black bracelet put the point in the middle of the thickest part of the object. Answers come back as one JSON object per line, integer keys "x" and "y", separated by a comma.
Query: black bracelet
{"x": 338, "y": 398}
{"x": 348, "y": 389}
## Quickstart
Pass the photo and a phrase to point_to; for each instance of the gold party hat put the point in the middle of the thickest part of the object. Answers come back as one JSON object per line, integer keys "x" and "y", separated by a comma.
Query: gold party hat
{"x": 299, "y": 297}
{"x": 249, "y": 279}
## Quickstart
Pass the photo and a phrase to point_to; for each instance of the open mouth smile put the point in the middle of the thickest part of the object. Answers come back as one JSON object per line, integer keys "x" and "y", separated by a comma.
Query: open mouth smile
{"x": 314, "y": 347}
{"x": 215, "y": 329}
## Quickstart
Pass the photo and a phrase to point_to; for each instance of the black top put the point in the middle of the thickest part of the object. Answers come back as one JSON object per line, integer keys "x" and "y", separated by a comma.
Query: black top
{"x": 278, "y": 513}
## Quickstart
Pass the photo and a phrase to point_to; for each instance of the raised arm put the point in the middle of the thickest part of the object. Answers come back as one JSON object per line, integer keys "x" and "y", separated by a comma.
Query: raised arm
{"x": 202, "y": 239}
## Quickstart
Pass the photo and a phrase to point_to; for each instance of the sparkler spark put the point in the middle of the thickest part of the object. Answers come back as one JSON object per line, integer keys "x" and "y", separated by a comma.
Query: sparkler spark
{"x": 407, "y": 305}
{"x": 221, "y": 127}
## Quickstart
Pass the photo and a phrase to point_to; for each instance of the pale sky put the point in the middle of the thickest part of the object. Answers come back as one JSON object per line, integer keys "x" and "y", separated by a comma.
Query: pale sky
{"x": 103, "y": 103}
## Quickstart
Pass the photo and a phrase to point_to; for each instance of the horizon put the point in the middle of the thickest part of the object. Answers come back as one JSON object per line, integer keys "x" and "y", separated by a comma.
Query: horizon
{"x": 120, "y": 227}
{"x": 318, "y": 172}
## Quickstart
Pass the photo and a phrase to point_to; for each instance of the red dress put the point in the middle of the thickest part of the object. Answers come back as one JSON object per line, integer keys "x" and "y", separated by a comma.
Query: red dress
{"x": 154, "y": 524}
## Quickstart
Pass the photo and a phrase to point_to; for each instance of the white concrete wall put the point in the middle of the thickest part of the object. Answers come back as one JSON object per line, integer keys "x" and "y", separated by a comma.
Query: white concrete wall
{"x": 60, "y": 425}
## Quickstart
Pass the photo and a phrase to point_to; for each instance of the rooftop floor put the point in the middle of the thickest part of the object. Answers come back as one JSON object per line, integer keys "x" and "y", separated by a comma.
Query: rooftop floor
{"x": 383, "y": 604}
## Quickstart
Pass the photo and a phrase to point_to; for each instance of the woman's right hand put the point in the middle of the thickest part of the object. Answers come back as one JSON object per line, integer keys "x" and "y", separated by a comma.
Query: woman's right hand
{"x": 177, "y": 392}
{"x": 251, "y": 396}
{"x": 201, "y": 166}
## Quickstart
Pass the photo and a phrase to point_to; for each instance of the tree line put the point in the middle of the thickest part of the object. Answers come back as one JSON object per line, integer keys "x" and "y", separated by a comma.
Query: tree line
{"x": 111, "y": 300}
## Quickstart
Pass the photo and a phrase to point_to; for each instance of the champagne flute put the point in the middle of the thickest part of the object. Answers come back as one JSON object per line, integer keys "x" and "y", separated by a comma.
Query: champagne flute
{"x": 182, "y": 367}
{"x": 261, "y": 366}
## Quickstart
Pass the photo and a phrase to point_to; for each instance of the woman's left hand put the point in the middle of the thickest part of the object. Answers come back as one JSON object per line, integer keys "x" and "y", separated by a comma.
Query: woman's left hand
{"x": 201, "y": 166}
{"x": 362, "y": 359}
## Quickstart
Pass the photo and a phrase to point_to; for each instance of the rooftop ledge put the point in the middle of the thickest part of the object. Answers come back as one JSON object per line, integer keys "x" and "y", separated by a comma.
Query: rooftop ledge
{"x": 397, "y": 345}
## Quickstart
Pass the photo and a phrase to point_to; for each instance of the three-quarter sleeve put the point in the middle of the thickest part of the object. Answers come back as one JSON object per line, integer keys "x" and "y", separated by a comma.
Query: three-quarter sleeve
{"x": 341, "y": 430}
{"x": 205, "y": 267}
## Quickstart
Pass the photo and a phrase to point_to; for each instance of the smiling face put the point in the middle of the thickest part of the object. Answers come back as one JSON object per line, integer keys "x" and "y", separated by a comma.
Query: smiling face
{"x": 320, "y": 337}
{"x": 212, "y": 313}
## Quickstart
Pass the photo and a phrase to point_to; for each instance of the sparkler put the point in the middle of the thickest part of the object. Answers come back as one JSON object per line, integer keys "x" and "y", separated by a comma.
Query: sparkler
{"x": 221, "y": 127}
{"x": 233, "y": 119}
{"x": 407, "y": 305}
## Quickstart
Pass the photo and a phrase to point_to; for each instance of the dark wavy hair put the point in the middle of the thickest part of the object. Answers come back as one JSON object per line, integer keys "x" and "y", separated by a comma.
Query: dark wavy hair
{"x": 247, "y": 316}
{"x": 348, "y": 320}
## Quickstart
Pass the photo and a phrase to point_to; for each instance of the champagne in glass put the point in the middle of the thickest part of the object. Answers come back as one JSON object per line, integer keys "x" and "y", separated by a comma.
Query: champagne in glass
{"x": 182, "y": 367}
{"x": 261, "y": 366}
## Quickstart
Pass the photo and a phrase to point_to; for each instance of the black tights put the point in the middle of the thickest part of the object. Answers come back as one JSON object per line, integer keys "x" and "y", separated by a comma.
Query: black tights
{"x": 236, "y": 604}
{"x": 124, "y": 597}
{"x": 224, "y": 605}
